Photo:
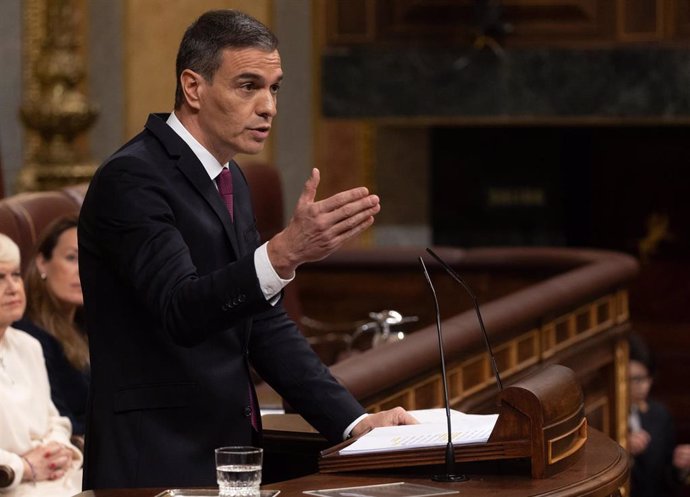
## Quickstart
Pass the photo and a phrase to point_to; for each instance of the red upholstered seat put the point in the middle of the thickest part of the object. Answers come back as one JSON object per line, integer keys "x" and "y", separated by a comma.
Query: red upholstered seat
{"x": 24, "y": 216}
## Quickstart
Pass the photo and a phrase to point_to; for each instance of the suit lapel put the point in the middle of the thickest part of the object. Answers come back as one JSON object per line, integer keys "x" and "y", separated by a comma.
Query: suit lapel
{"x": 195, "y": 173}
{"x": 191, "y": 168}
{"x": 242, "y": 207}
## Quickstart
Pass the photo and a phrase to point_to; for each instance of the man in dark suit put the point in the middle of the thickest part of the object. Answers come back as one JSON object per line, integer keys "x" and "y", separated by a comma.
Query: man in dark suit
{"x": 181, "y": 297}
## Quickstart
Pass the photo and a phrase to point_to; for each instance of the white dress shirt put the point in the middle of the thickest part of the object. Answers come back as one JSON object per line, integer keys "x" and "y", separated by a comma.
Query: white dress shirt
{"x": 271, "y": 284}
{"x": 28, "y": 418}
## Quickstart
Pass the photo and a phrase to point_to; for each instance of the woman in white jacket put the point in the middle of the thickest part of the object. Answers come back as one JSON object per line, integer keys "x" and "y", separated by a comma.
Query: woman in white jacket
{"x": 35, "y": 446}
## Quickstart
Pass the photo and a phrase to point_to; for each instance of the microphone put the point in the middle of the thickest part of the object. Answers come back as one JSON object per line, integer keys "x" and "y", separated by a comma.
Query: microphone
{"x": 449, "y": 475}
{"x": 457, "y": 278}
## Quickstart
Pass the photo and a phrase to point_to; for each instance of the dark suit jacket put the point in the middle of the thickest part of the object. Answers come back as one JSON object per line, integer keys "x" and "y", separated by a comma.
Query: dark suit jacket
{"x": 175, "y": 316}
{"x": 69, "y": 386}
{"x": 652, "y": 473}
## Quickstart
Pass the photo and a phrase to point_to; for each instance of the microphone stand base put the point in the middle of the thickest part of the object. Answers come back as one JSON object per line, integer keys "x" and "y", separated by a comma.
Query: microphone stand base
{"x": 448, "y": 478}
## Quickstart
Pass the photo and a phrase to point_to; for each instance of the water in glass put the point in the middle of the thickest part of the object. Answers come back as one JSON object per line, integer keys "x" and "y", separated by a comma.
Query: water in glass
{"x": 239, "y": 480}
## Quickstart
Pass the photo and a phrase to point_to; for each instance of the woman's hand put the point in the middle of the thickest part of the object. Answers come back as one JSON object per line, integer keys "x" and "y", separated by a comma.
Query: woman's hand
{"x": 46, "y": 462}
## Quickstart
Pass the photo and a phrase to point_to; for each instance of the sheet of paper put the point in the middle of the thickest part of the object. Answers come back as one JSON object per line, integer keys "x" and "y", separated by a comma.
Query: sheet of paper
{"x": 400, "y": 489}
{"x": 432, "y": 431}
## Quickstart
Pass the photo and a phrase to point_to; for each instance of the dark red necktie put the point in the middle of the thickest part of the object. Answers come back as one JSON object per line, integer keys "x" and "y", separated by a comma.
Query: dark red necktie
{"x": 224, "y": 182}
{"x": 254, "y": 406}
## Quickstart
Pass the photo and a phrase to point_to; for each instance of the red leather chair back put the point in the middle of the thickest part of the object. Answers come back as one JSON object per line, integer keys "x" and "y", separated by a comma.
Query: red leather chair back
{"x": 25, "y": 215}
{"x": 267, "y": 198}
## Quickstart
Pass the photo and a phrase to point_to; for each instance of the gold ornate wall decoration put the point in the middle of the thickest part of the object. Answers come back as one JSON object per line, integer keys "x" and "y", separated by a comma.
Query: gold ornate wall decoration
{"x": 56, "y": 111}
{"x": 657, "y": 232}
{"x": 622, "y": 391}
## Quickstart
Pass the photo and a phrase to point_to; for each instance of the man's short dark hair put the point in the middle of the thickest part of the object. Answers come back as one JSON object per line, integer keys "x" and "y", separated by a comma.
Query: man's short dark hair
{"x": 203, "y": 42}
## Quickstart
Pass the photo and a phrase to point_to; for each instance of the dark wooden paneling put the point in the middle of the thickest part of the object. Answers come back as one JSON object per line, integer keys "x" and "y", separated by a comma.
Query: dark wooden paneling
{"x": 621, "y": 188}
{"x": 680, "y": 19}
{"x": 350, "y": 21}
{"x": 523, "y": 22}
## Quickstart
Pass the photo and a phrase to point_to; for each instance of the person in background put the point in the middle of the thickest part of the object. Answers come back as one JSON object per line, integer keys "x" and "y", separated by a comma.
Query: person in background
{"x": 659, "y": 464}
{"x": 181, "y": 295}
{"x": 53, "y": 317}
{"x": 35, "y": 448}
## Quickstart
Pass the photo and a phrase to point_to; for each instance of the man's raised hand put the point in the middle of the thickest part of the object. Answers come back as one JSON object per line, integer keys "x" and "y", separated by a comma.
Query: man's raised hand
{"x": 318, "y": 228}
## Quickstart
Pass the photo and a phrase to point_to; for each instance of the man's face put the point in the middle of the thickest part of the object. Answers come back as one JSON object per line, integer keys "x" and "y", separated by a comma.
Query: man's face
{"x": 237, "y": 106}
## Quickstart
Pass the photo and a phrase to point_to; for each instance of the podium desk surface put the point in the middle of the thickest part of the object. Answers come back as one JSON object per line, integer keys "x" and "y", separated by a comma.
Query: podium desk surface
{"x": 600, "y": 472}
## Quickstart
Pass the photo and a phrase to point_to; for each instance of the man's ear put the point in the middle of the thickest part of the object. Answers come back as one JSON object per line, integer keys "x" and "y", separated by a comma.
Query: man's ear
{"x": 191, "y": 83}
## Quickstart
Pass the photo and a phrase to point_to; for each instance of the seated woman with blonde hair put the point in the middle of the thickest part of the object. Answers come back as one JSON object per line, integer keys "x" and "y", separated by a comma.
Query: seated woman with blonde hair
{"x": 54, "y": 305}
{"x": 35, "y": 448}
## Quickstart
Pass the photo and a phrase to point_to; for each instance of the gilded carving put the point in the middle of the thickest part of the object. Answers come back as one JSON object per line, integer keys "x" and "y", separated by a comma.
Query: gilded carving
{"x": 55, "y": 108}
{"x": 657, "y": 232}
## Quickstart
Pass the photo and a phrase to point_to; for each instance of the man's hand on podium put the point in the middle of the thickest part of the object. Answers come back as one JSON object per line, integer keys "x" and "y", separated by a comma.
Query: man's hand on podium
{"x": 391, "y": 417}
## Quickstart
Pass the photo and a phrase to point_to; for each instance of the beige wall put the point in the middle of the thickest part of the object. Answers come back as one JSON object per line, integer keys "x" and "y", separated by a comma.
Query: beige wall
{"x": 152, "y": 32}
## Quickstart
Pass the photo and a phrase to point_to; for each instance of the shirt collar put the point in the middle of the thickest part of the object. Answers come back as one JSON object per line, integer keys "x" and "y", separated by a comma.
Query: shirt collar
{"x": 211, "y": 165}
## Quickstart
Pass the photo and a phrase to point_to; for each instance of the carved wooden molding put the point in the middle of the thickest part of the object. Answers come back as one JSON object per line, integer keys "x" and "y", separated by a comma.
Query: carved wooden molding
{"x": 470, "y": 375}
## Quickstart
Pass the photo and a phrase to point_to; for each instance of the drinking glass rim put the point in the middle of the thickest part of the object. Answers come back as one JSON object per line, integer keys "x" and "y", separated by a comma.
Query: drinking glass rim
{"x": 238, "y": 449}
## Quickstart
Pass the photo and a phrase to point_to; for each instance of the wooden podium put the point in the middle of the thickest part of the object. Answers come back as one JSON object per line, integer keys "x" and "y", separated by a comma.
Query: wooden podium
{"x": 540, "y": 419}
{"x": 600, "y": 472}
{"x": 541, "y": 424}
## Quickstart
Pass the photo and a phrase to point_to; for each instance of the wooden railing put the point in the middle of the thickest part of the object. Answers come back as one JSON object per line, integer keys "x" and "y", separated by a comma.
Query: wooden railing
{"x": 540, "y": 306}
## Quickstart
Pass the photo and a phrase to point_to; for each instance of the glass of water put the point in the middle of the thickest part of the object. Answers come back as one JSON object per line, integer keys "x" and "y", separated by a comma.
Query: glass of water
{"x": 238, "y": 471}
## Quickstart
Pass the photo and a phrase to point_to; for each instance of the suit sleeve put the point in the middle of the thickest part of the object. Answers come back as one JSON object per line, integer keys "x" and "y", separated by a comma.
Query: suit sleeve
{"x": 284, "y": 358}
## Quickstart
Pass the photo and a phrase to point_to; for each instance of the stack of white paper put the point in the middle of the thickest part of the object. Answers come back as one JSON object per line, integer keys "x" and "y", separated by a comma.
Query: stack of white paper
{"x": 431, "y": 431}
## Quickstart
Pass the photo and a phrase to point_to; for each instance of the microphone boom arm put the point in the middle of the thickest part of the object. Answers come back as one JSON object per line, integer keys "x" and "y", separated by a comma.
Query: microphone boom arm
{"x": 449, "y": 475}
{"x": 458, "y": 279}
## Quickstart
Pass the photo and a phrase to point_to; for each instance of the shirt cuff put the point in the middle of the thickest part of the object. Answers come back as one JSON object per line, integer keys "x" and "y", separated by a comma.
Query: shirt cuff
{"x": 271, "y": 284}
{"x": 17, "y": 465}
{"x": 346, "y": 433}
